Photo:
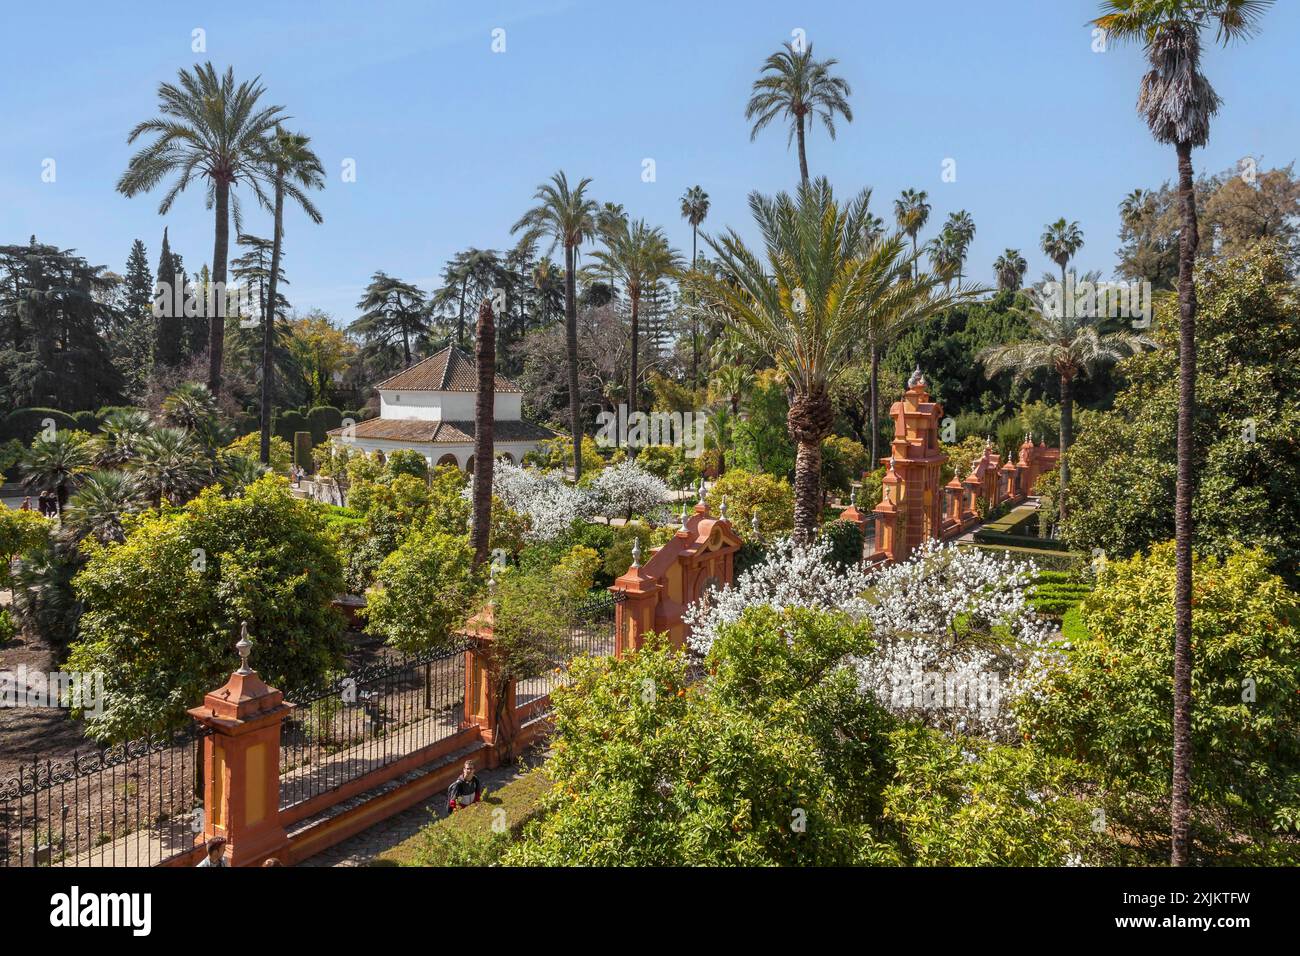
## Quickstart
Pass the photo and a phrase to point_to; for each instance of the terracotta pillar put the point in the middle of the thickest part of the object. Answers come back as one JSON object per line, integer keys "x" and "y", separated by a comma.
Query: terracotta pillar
{"x": 634, "y": 616}
{"x": 482, "y": 688}
{"x": 241, "y": 765}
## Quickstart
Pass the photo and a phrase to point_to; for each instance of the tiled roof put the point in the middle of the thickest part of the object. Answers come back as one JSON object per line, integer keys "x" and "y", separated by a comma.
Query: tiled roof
{"x": 450, "y": 370}
{"x": 443, "y": 432}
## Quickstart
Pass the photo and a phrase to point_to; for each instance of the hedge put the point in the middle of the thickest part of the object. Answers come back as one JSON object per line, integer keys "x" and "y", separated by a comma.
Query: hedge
{"x": 25, "y": 424}
{"x": 1050, "y": 560}
{"x": 321, "y": 419}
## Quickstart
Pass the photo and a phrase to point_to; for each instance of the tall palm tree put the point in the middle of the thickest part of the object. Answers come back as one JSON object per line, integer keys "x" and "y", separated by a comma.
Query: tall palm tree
{"x": 961, "y": 227}
{"x": 795, "y": 86}
{"x": 1177, "y": 101}
{"x": 568, "y": 216}
{"x": 695, "y": 208}
{"x": 804, "y": 302}
{"x": 485, "y": 355}
{"x": 945, "y": 254}
{"x": 640, "y": 256}
{"x": 53, "y": 463}
{"x": 1061, "y": 240}
{"x": 292, "y": 168}
{"x": 101, "y": 499}
{"x": 912, "y": 212}
{"x": 172, "y": 466}
{"x": 733, "y": 381}
{"x": 1069, "y": 345}
{"x": 213, "y": 129}
{"x": 1010, "y": 268}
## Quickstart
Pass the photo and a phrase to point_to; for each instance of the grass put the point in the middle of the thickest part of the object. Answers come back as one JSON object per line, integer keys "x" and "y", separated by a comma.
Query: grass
{"x": 476, "y": 835}
{"x": 1049, "y": 560}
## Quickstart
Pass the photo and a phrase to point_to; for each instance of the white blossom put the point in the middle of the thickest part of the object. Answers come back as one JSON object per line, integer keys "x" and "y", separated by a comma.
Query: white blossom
{"x": 955, "y": 637}
{"x": 793, "y": 575}
{"x": 625, "y": 489}
{"x": 549, "y": 502}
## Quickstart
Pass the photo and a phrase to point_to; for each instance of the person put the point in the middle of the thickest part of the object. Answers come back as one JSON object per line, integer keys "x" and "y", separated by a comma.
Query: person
{"x": 27, "y": 503}
{"x": 465, "y": 789}
{"x": 216, "y": 853}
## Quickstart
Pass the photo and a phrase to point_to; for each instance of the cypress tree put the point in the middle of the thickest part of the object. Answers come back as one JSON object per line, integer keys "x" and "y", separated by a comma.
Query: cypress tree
{"x": 167, "y": 341}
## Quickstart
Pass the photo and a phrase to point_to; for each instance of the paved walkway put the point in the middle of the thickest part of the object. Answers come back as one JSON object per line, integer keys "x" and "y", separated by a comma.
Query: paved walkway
{"x": 370, "y": 844}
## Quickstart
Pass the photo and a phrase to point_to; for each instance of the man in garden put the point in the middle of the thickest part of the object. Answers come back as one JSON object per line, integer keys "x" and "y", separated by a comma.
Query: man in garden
{"x": 465, "y": 789}
{"x": 216, "y": 853}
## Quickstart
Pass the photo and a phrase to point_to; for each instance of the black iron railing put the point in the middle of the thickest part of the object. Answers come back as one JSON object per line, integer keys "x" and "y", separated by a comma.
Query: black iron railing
{"x": 590, "y": 633}
{"x": 133, "y": 804}
{"x": 345, "y": 728}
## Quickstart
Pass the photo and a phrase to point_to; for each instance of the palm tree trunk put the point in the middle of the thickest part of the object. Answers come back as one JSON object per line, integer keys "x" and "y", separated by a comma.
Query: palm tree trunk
{"x": 484, "y": 427}
{"x": 1180, "y": 797}
{"x": 803, "y": 158}
{"x": 217, "y": 323}
{"x": 634, "y": 294}
{"x": 695, "y": 329}
{"x": 1067, "y": 438}
{"x": 808, "y": 421}
{"x": 268, "y": 320}
{"x": 875, "y": 417}
{"x": 571, "y": 346}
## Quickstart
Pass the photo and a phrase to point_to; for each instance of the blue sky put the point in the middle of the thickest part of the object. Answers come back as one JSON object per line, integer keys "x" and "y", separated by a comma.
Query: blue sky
{"x": 450, "y": 139}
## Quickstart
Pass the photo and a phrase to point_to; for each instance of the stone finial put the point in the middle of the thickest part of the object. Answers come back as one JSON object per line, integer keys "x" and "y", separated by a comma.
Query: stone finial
{"x": 753, "y": 521}
{"x": 722, "y": 509}
{"x": 853, "y": 496}
{"x": 636, "y": 552}
{"x": 917, "y": 378}
{"x": 683, "y": 527}
{"x": 701, "y": 489}
{"x": 243, "y": 647}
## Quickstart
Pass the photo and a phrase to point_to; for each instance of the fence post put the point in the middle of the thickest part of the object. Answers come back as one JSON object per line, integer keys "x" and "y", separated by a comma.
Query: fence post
{"x": 481, "y": 694}
{"x": 241, "y": 764}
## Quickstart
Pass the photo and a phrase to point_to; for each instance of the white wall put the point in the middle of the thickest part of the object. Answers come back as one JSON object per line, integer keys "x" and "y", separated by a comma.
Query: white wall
{"x": 452, "y": 406}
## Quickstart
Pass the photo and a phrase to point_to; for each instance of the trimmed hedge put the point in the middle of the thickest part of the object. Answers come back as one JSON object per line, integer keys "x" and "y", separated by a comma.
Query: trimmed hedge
{"x": 321, "y": 419}
{"x": 1050, "y": 560}
{"x": 984, "y": 536}
{"x": 25, "y": 424}
{"x": 288, "y": 423}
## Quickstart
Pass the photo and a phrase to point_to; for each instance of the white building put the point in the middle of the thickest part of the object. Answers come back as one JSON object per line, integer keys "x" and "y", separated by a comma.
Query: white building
{"x": 429, "y": 407}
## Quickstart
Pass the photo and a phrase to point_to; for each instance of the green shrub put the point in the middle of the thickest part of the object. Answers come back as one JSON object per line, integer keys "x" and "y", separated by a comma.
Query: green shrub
{"x": 407, "y": 461}
{"x": 321, "y": 419}
{"x": 8, "y": 630}
{"x": 749, "y": 493}
{"x": 846, "y": 542}
{"x": 290, "y": 422}
{"x": 1106, "y": 701}
{"x": 24, "y": 424}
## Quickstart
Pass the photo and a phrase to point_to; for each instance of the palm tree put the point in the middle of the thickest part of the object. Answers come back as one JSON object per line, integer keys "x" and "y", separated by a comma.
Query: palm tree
{"x": 213, "y": 129}
{"x": 119, "y": 437}
{"x": 805, "y": 302}
{"x": 796, "y": 86}
{"x": 485, "y": 355}
{"x": 945, "y": 255}
{"x": 640, "y": 256}
{"x": 1010, "y": 268}
{"x": 292, "y": 168}
{"x": 568, "y": 216}
{"x": 733, "y": 381}
{"x": 695, "y": 209}
{"x": 53, "y": 462}
{"x": 1177, "y": 100}
{"x": 1061, "y": 240}
{"x": 191, "y": 407}
{"x": 912, "y": 212}
{"x": 1069, "y": 345}
{"x": 961, "y": 227}
{"x": 172, "y": 466}
{"x": 99, "y": 503}
{"x": 237, "y": 472}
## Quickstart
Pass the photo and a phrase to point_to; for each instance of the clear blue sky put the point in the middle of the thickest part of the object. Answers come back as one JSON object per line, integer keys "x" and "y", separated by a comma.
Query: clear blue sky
{"x": 451, "y": 139}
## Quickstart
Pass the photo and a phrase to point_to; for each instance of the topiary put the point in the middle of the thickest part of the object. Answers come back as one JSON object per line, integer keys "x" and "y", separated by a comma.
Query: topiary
{"x": 846, "y": 542}
{"x": 24, "y": 424}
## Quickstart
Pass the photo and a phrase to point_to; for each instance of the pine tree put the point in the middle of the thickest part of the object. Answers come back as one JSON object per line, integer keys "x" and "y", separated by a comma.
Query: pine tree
{"x": 133, "y": 345}
{"x": 167, "y": 343}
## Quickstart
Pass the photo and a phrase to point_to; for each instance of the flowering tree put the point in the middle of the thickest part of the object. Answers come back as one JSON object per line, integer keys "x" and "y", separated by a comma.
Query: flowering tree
{"x": 793, "y": 575}
{"x": 954, "y": 633}
{"x": 626, "y": 489}
{"x": 548, "y": 501}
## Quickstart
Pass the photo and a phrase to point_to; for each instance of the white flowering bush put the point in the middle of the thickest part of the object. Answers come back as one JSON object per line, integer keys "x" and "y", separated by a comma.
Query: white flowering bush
{"x": 793, "y": 575}
{"x": 625, "y": 489}
{"x": 548, "y": 501}
{"x": 955, "y": 637}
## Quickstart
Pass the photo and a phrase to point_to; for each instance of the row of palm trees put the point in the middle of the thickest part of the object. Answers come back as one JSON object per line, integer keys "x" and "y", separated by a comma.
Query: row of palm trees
{"x": 219, "y": 133}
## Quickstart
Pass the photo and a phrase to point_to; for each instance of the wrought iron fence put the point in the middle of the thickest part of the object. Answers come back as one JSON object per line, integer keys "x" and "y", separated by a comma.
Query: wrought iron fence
{"x": 591, "y": 633}
{"x": 343, "y": 729}
{"x": 133, "y": 804}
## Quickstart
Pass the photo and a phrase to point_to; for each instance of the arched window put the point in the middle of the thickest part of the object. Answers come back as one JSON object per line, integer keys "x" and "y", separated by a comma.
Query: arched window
{"x": 448, "y": 459}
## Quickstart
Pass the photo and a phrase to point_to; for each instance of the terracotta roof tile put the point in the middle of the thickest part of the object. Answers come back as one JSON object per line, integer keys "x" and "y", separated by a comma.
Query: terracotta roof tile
{"x": 443, "y": 432}
{"x": 450, "y": 370}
